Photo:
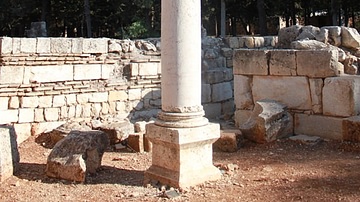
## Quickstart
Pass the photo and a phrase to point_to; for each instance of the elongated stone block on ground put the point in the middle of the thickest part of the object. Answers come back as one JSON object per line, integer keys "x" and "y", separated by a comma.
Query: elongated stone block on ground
{"x": 341, "y": 96}
{"x": 76, "y": 155}
{"x": 269, "y": 121}
{"x": 229, "y": 141}
{"x": 318, "y": 125}
{"x": 9, "y": 154}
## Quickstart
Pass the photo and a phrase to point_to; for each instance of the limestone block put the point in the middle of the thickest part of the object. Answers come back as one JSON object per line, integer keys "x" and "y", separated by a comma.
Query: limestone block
{"x": 242, "y": 92}
{"x": 134, "y": 69}
{"x": 26, "y": 115}
{"x": 9, "y": 116}
{"x": 259, "y": 42}
{"x": 29, "y": 102}
{"x": 334, "y": 35}
{"x": 5, "y": 45}
{"x": 87, "y": 72}
{"x": 59, "y": 100}
{"x": 241, "y": 117}
{"x": 233, "y": 42}
{"x": 9, "y": 154}
{"x": 70, "y": 162}
{"x": 4, "y": 103}
{"x": 212, "y": 110}
{"x": 136, "y": 142}
{"x": 14, "y": 102}
{"x": 83, "y": 98}
{"x": 38, "y": 128}
{"x": 77, "y": 45}
{"x": 217, "y": 75}
{"x": 294, "y": 92}
{"x": 42, "y": 74}
{"x": 107, "y": 71}
{"x": 16, "y": 44}
{"x": 95, "y": 110}
{"x": 270, "y": 41}
{"x": 45, "y": 101}
{"x": 308, "y": 45}
{"x": 308, "y": 32}
{"x": 249, "y": 42}
{"x": 60, "y": 45}
{"x": 11, "y": 74}
{"x": 229, "y": 141}
{"x": 318, "y": 63}
{"x": 316, "y": 86}
{"x": 341, "y": 96}
{"x": 70, "y": 99}
{"x": 282, "y": 62}
{"x": 227, "y": 52}
{"x": 287, "y": 35}
{"x": 350, "y": 37}
{"x": 39, "y": 115}
{"x": 99, "y": 97}
{"x": 43, "y": 45}
{"x": 156, "y": 93}
{"x": 221, "y": 91}
{"x": 23, "y": 132}
{"x": 351, "y": 129}
{"x": 51, "y": 114}
{"x": 318, "y": 125}
{"x": 117, "y": 131}
{"x": 250, "y": 62}
{"x": 28, "y": 45}
{"x": 71, "y": 111}
{"x": 79, "y": 111}
{"x": 95, "y": 45}
{"x": 148, "y": 69}
{"x": 118, "y": 96}
{"x": 269, "y": 121}
{"x": 227, "y": 109}
{"x": 134, "y": 94}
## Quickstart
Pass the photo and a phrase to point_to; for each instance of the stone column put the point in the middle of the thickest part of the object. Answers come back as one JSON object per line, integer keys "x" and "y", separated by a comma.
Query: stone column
{"x": 182, "y": 137}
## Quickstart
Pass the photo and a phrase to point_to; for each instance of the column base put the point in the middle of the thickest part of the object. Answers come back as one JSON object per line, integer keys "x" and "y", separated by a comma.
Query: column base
{"x": 182, "y": 157}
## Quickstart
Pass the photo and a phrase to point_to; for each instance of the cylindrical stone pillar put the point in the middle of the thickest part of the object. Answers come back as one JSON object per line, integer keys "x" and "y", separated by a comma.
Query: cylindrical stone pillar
{"x": 181, "y": 64}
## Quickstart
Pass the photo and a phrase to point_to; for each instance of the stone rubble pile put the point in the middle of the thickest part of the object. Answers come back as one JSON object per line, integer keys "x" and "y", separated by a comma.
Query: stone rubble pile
{"x": 344, "y": 40}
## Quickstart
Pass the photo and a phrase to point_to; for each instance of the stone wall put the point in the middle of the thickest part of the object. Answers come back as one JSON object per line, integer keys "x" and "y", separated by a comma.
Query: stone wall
{"x": 47, "y": 81}
{"x": 311, "y": 83}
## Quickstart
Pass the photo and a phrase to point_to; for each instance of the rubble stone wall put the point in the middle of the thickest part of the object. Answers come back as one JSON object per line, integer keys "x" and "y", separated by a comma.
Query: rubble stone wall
{"x": 311, "y": 83}
{"x": 47, "y": 81}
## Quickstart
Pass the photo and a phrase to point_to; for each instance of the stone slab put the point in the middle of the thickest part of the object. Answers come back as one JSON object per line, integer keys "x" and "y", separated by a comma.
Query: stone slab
{"x": 317, "y": 125}
{"x": 41, "y": 74}
{"x": 9, "y": 154}
{"x": 250, "y": 62}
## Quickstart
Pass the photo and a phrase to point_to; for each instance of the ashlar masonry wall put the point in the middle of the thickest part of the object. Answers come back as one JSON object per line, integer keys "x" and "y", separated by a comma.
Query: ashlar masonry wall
{"x": 323, "y": 100}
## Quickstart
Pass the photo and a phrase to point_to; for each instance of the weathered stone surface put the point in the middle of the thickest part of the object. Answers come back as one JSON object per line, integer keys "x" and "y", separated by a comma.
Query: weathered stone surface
{"x": 6, "y": 45}
{"x": 351, "y": 129}
{"x": 205, "y": 93}
{"x": 117, "y": 131}
{"x": 9, "y": 116}
{"x": 350, "y": 37}
{"x": 269, "y": 121}
{"x": 334, "y": 35}
{"x": 288, "y": 35}
{"x": 308, "y": 32}
{"x": 318, "y": 125}
{"x": 351, "y": 65}
{"x": 242, "y": 92}
{"x": 9, "y": 154}
{"x": 305, "y": 139}
{"x": 341, "y": 96}
{"x": 135, "y": 142}
{"x": 40, "y": 74}
{"x": 23, "y": 131}
{"x": 250, "y": 62}
{"x": 87, "y": 72}
{"x": 282, "y": 62}
{"x": 60, "y": 45}
{"x": 221, "y": 91}
{"x": 28, "y": 45}
{"x": 11, "y": 74}
{"x": 212, "y": 110}
{"x": 114, "y": 47}
{"x": 229, "y": 141}
{"x": 308, "y": 45}
{"x": 294, "y": 92}
{"x": 316, "y": 86}
{"x": 48, "y": 139}
{"x": 78, "y": 154}
{"x": 318, "y": 63}
{"x": 99, "y": 45}
{"x": 43, "y": 45}
{"x": 241, "y": 116}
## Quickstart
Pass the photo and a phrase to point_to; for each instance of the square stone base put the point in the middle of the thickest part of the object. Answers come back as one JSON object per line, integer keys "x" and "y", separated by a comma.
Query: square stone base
{"x": 182, "y": 157}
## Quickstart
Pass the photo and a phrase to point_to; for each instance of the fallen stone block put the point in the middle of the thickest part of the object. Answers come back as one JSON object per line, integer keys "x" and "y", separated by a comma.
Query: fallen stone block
{"x": 117, "y": 131}
{"x": 268, "y": 122}
{"x": 78, "y": 154}
{"x": 9, "y": 154}
{"x": 229, "y": 141}
{"x": 305, "y": 139}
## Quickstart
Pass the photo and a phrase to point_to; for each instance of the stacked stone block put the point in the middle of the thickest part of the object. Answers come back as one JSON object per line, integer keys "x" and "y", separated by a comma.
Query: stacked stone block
{"x": 312, "y": 84}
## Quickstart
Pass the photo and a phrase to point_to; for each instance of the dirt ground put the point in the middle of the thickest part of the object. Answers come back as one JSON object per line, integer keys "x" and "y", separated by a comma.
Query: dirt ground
{"x": 281, "y": 171}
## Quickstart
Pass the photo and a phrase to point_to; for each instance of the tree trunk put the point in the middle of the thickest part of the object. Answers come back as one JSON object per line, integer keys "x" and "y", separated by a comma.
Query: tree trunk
{"x": 87, "y": 18}
{"x": 335, "y": 12}
{"x": 44, "y": 9}
{"x": 262, "y": 17}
